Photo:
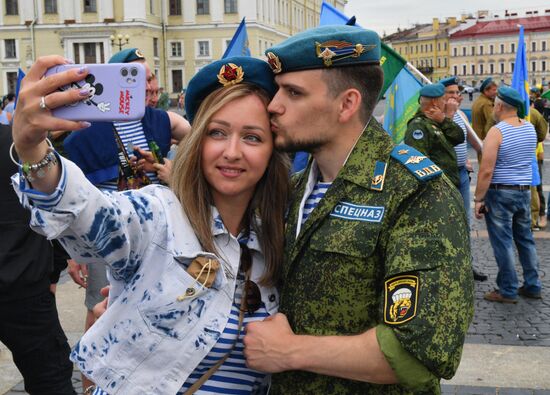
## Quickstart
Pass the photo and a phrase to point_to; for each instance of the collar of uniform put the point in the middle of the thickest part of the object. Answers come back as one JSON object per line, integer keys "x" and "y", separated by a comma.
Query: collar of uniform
{"x": 218, "y": 228}
{"x": 373, "y": 145}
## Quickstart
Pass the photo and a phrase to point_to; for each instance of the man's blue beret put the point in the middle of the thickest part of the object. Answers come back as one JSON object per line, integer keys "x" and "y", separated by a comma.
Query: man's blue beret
{"x": 127, "y": 55}
{"x": 534, "y": 89}
{"x": 513, "y": 98}
{"x": 227, "y": 72}
{"x": 325, "y": 47}
{"x": 432, "y": 90}
{"x": 485, "y": 83}
{"x": 449, "y": 81}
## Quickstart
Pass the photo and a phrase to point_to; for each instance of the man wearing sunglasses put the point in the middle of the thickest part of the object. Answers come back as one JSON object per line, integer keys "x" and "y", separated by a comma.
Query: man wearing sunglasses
{"x": 377, "y": 288}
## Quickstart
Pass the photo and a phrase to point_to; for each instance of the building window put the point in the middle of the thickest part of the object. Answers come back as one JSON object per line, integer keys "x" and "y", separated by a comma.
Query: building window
{"x": 11, "y": 7}
{"x": 481, "y": 69}
{"x": 438, "y": 62}
{"x": 455, "y": 70}
{"x": 455, "y": 51}
{"x": 463, "y": 69}
{"x": 543, "y": 44}
{"x": 203, "y": 49}
{"x": 50, "y": 6}
{"x": 511, "y": 67}
{"x": 533, "y": 66}
{"x": 177, "y": 81}
{"x": 543, "y": 65}
{"x": 445, "y": 62}
{"x": 473, "y": 51}
{"x": 463, "y": 51}
{"x": 11, "y": 77}
{"x": 533, "y": 46}
{"x": 481, "y": 49}
{"x": 152, "y": 7}
{"x": 513, "y": 47}
{"x": 444, "y": 46}
{"x": 473, "y": 69}
{"x": 439, "y": 46}
{"x": 501, "y": 48}
{"x": 175, "y": 49}
{"x": 203, "y": 7}
{"x": 491, "y": 49}
{"x": 90, "y": 6}
{"x": 491, "y": 68}
{"x": 175, "y": 7}
{"x": 230, "y": 6}
{"x": 88, "y": 53}
{"x": 155, "y": 47}
{"x": 431, "y": 48}
{"x": 501, "y": 68}
{"x": 10, "y": 49}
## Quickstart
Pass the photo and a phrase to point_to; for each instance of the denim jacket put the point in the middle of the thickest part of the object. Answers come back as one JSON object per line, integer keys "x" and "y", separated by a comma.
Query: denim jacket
{"x": 147, "y": 342}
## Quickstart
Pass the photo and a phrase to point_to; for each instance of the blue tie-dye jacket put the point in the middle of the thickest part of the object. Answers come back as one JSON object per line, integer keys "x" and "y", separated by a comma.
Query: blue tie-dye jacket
{"x": 147, "y": 342}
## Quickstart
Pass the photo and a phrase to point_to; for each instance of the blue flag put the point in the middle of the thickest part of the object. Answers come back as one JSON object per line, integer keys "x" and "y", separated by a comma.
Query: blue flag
{"x": 331, "y": 16}
{"x": 520, "y": 79}
{"x": 401, "y": 104}
{"x": 239, "y": 43}
{"x": 20, "y": 76}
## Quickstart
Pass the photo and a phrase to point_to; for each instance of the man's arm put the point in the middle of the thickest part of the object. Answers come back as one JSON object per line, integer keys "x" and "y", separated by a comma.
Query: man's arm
{"x": 418, "y": 137}
{"x": 490, "y": 150}
{"x": 271, "y": 346}
{"x": 179, "y": 126}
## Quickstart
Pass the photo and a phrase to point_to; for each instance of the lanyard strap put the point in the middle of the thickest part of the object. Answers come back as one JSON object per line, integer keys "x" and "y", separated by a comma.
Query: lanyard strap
{"x": 128, "y": 178}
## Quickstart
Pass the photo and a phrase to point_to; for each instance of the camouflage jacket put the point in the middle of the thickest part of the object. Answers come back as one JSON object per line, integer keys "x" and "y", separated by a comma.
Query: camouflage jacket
{"x": 379, "y": 251}
{"x": 436, "y": 141}
{"x": 482, "y": 116}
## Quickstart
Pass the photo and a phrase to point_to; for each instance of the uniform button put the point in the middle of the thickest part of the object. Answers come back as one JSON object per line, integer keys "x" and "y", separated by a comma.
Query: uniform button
{"x": 190, "y": 291}
{"x": 272, "y": 298}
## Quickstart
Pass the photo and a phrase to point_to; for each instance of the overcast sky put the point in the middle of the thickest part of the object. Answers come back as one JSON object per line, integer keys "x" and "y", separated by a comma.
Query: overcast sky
{"x": 387, "y": 15}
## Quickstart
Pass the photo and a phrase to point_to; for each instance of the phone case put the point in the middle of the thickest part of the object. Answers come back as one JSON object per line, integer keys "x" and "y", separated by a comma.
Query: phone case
{"x": 117, "y": 93}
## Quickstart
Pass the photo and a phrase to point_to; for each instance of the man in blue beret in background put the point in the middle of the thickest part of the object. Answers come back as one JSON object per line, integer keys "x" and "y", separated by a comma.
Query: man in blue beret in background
{"x": 377, "y": 290}
{"x": 482, "y": 108}
{"x": 433, "y": 132}
{"x": 503, "y": 195}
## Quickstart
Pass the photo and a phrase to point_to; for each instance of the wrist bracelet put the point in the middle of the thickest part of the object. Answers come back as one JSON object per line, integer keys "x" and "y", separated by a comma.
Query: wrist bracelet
{"x": 39, "y": 168}
{"x": 479, "y": 200}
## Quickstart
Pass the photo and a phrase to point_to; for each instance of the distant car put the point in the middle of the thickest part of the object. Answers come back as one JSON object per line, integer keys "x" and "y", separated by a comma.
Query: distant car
{"x": 468, "y": 89}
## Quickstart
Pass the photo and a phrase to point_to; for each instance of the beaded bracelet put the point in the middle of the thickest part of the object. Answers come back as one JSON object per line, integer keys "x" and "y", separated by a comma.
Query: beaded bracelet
{"x": 40, "y": 168}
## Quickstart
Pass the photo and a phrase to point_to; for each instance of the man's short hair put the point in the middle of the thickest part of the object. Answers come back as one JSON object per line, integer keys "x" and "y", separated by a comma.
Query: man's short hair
{"x": 366, "y": 78}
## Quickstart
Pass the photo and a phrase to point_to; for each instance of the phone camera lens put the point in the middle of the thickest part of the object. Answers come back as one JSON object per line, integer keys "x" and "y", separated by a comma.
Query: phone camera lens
{"x": 124, "y": 72}
{"x": 133, "y": 71}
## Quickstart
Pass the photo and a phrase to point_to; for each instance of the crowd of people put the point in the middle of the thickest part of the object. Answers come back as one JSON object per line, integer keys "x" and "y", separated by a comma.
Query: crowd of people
{"x": 225, "y": 273}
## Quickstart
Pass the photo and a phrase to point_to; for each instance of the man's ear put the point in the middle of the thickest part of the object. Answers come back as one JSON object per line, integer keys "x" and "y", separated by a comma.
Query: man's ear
{"x": 350, "y": 104}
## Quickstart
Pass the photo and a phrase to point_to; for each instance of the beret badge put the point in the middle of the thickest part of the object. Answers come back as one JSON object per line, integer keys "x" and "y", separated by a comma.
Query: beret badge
{"x": 139, "y": 54}
{"x": 334, "y": 50}
{"x": 274, "y": 62}
{"x": 230, "y": 74}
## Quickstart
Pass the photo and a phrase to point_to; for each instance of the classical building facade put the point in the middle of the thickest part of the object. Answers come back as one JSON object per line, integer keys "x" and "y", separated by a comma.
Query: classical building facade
{"x": 488, "y": 49}
{"x": 426, "y": 46}
{"x": 177, "y": 37}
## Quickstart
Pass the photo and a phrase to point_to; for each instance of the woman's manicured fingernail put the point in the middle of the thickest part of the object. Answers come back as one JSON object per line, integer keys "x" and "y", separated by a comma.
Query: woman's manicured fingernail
{"x": 85, "y": 124}
{"x": 69, "y": 61}
{"x": 84, "y": 92}
{"x": 82, "y": 70}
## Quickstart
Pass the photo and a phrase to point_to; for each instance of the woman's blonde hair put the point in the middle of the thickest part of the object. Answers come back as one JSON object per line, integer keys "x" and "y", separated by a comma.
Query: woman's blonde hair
{"x": 265, "y": 212}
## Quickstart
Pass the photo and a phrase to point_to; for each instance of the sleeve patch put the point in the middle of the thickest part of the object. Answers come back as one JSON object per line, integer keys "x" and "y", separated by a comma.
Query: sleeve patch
{"x": 418, "y": 134}
{"x": 417, "y": 163}
{"x": 400, "y": 299}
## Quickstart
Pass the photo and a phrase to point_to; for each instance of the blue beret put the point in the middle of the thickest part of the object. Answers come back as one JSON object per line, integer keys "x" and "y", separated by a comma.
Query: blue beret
{"x": 449, "y": 81}
{"x": 323, "y": 47}
{"x": 534, "y": 89}
{"x": 513, "y": 98}
{"x": 432, "y": 90}
{"x": 227, "y": 72}
{"x": 127, "y": 55}
{"x": 485, "y": 83}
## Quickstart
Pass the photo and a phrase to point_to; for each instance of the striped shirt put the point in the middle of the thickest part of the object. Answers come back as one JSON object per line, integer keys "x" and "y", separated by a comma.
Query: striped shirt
{"x": 462, "y": 148}
{"x": 130, "y": 133}
{"x": 515, "y": 154}
{"x": 314, "y": 198}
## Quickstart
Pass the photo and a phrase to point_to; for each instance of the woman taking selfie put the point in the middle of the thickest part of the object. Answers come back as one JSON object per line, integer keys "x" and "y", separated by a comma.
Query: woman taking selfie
{"x": 193, "y": 263}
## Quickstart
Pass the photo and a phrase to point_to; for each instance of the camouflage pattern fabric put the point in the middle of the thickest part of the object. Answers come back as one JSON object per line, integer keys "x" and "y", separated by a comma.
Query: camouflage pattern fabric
{"x": 436, "y": 141}
{"x": 335, "y": 271}
{"x": 482, "y": 116}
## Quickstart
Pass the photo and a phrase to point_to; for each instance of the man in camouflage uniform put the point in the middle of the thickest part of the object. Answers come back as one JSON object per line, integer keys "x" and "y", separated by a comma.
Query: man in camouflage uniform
{"x": 377, "y": 288}
{"x": 482, "y": 108}
{"x": 433, "y": 132}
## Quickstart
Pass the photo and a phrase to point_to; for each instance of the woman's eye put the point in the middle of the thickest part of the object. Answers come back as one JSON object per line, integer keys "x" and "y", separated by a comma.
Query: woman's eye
{"x": 253, "y": 138}
{"x": 216, "y": 133}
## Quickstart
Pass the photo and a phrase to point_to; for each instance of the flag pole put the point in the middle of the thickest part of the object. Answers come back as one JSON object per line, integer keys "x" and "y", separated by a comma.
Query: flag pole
{"x": 471, "y": 133}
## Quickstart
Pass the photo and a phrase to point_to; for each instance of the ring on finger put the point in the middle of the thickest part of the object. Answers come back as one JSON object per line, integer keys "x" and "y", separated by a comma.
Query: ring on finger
{"x": 43, "y": 105}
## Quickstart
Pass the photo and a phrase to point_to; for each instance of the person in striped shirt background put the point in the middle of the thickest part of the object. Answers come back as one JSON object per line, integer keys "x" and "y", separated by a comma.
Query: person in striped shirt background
{"x": 503, "y": 196}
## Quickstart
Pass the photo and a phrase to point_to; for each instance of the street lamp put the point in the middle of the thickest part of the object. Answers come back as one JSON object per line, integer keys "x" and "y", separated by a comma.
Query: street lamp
{"x": 120, "y": 38}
